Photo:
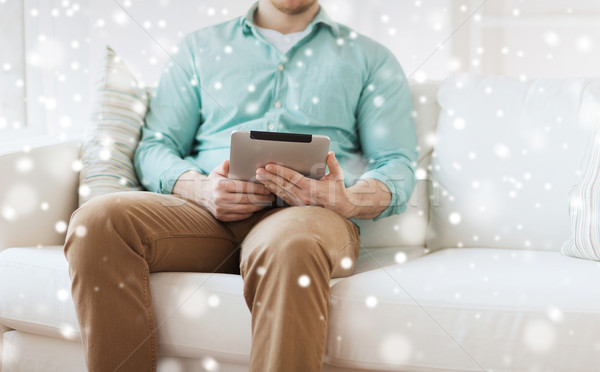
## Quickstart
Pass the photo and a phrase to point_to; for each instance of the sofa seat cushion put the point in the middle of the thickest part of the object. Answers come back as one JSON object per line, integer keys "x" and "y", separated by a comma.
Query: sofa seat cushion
{"x": 469, "y": 309}
{"x": 200, "y": 313}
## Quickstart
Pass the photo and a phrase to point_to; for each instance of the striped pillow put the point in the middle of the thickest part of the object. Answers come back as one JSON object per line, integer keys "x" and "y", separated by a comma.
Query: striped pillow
{"x": 584, "y": 207}
{"x": 114, "y": 132}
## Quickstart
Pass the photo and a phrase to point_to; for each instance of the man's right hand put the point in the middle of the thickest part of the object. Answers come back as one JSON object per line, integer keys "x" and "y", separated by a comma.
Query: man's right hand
{"x": 227, "y": 200}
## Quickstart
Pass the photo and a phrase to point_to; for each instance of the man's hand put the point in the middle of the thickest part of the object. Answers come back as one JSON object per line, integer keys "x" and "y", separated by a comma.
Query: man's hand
{"x": 227, "y": 200}
{"x": 296, "y": 189}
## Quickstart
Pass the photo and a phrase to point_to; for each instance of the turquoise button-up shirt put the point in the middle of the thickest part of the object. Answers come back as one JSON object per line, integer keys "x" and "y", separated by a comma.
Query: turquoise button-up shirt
{"x": 333, "y": 82}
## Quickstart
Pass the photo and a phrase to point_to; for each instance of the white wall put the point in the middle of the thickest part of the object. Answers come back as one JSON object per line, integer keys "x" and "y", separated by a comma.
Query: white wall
{"x": 529, "y": 39}
{"x": 64, "y": 42}
{"x": 12, "y": 66}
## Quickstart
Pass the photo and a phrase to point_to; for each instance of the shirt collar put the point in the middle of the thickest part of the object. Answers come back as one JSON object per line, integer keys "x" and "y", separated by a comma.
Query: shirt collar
{"x": 247, "y": 21}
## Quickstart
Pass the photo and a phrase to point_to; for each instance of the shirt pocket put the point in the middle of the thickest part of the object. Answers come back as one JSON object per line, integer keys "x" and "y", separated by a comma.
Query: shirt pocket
{"x": 330, "y": 94}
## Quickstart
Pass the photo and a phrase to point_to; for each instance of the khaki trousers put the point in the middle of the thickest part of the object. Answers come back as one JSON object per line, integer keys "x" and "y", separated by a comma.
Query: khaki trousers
{"x": 287, "y": 257}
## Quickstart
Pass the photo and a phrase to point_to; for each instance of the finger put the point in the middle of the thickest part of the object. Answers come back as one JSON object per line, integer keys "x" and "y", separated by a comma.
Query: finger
{"x": 334, "y": 166}
{"x": 249, "y": 198}
{"x": 223, "y": 168}
{"x": 262, "y": 174}
{"x": 285, "y": 194}
{"x": 235, "y": 186}
{"x": 287, "y": 173}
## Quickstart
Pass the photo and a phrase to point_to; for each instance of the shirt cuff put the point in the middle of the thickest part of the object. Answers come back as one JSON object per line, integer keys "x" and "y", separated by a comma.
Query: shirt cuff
{"x": 398, "y": 203}
{"x": 169, "y": 177}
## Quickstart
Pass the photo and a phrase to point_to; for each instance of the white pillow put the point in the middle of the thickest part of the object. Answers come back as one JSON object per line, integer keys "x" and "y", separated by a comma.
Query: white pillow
{"x": 118, "y": 115}
{"x": 584, "y": 207}
{"x": 507, "y": 154}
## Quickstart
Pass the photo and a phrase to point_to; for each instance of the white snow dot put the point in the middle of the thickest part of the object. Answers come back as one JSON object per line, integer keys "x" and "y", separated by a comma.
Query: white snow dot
{"x": 120, "y": 18}
{"x": 551, "y": 38}
{"x": 315, "y": 100}
{"x": 213, "y": 300}
{"x": 421, "y": 174}
{"x": 400, "y": 257}
{"x": 378, "y": 101}
{"x": 304, "y": 280}
{"x": 584, "y": 44}
{"x": 251, "y": 108}
{"x": 105, "y": 154}
{"x": 340, "y": 41}
{"x": 396, "y": 349}
{"x": 459, "y": 123}
{"x": 50, "y": 104}
{"x": 261, "y": 270}
{"x": 251, "y": 88}
{"x": 371, "y": 301}
{"x": 68, "y": 332}
{"x": 62, "y": 295}
{"x": 502, "y": 151}
{"x": 555, "y": 314}
{"x": 539, "y": 335}
{"x": 210, "y": 364}
{"x": 6, "y": 66}
{"x": 499, "y": 113}
{"x": 548, "y": 186}
{"x": 84, "y": 190}
{"x": 346, "y": 262}
{"x": 44, "y": 206}
{"x": 60, "y": 227}
{"x": 80, "y": 231}
{"x": 218, "y": 85}
{"x": 420, "y": 76}
{"x": 454, "y": 218}
{"x": 228, "y": 49}
{"x": 24, "y": 164}
{"x": 308, "y": 52}
{"x": 9, "y": 213}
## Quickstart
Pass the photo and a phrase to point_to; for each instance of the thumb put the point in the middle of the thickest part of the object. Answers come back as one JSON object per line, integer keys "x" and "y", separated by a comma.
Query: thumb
{"x": 335, "y": 170}
{"x": 223, "y": 168}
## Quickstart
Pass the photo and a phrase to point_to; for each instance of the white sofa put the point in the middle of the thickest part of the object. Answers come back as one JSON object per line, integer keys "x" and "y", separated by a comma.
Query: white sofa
{"x": 448, "y": 286}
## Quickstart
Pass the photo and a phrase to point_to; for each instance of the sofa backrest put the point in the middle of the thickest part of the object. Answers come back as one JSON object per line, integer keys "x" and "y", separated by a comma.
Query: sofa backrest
{"x": 38, "y": 193}
{"x": 507, "y": 153}
{"x": 409, "y": 228}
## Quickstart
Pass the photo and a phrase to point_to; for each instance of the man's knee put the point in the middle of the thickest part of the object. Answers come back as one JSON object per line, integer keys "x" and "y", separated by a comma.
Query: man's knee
{"x": 90, "y": 224}
{"x": 287, "y": 252}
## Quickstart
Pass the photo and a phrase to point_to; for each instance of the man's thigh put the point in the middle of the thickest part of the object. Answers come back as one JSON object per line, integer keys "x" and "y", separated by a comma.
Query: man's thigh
{"x": 337, "y": 236}
{"x": 170, "y": 233}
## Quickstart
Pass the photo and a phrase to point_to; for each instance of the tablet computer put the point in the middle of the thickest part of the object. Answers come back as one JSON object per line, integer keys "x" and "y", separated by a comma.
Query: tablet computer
{"x": 250, "y": 150}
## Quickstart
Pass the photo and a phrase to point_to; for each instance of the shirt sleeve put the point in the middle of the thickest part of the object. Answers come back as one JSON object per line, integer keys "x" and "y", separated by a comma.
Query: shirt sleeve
{"x": 170, "y": 125}
{"x": 387, "y": 131}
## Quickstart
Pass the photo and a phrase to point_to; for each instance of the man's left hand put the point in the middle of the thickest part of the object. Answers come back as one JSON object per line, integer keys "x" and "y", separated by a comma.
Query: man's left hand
{"x": 296, "y": 189}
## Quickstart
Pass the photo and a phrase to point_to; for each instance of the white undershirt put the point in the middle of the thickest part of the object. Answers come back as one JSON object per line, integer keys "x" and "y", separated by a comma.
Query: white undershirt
{"x": 283, "y": 42}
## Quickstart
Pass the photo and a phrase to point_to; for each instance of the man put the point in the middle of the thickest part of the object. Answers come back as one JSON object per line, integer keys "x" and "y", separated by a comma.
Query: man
{"x": 285, "y": 66}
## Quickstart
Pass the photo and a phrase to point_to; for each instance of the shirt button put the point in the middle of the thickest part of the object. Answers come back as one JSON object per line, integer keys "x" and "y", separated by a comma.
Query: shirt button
{"x": 278, "y": 104}
{"x": 280, "y": 67}
{"x": 271, "y": 126}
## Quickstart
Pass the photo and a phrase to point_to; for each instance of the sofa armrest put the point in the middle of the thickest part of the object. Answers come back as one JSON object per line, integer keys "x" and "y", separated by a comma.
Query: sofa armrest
{"x": 38, "y": 190}
{"x": 2, "y": 330}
